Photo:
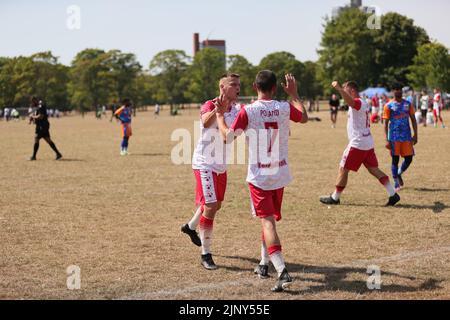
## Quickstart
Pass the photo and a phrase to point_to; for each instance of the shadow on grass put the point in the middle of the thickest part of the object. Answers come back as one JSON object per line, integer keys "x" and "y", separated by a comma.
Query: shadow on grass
{"x": 430, "y": 190}
{"x": 71, "y": 160}
{"x": 437, "y": 207}
{"x": 335, "y": 279}
{"x": 149, "y": 154}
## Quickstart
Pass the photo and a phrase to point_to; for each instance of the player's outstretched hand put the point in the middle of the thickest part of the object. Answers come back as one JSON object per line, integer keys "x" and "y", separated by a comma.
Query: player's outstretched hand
{"x": 290, "y": 87}
{"x": 414, "y": 140}
{"x": 336, "y": 85}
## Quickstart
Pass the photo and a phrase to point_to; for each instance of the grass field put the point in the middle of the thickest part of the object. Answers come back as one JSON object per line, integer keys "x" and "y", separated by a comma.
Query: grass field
{"x": 118, "y": 218}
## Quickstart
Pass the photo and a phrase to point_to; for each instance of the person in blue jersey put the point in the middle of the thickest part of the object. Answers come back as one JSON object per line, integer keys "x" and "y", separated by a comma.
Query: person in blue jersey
{"x": 399, "y": 139}
{"x": 124, "y": 115}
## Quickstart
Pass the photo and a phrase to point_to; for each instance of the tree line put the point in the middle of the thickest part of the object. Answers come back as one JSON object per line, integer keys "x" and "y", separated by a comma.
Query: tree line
{"x": 399, "y": 52}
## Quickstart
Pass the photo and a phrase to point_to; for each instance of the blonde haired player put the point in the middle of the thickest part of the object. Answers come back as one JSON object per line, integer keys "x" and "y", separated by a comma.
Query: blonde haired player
{"x": 210, "y": 174}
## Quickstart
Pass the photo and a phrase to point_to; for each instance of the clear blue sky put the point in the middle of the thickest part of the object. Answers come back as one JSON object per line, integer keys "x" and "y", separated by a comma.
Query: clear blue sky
{"x": 252, "y": 28}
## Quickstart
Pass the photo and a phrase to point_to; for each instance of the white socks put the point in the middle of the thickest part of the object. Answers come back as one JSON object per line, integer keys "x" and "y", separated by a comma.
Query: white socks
{"x": 278, "y": 262}
{"x": 193, "y": 224}
{"x": 390, "y": 189}
{"x": 336, "y": 195}
{"x": 206, "y": 232}
{"x": 265, "y": 259}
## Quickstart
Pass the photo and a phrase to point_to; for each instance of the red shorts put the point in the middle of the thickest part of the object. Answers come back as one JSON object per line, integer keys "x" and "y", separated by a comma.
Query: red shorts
{"x": 353, "y": 159}
{"x": 210, "y": 187}
{"x": 437, "y": 112}
{"x": 402, "y": 149}
{"x": 375, "y": 118}
{"x": 266, "y": 203}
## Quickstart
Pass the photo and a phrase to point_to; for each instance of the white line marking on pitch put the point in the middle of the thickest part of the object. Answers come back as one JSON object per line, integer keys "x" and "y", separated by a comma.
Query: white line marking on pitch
{"x": 252, "y": 281}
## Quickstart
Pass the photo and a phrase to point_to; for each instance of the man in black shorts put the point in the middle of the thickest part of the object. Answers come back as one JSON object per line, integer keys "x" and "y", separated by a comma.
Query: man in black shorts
{"x": 334, "y": 108}
{"x": 40, "y": 118}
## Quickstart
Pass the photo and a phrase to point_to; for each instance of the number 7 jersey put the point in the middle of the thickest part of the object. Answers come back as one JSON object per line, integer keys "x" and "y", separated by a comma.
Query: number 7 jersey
{"x": 266, "y": 124}
{"x": 358, "y": 126}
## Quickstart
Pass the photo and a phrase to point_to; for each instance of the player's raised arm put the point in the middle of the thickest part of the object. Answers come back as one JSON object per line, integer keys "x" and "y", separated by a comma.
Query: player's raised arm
{"x": 209, "y": 118}
{"x": 347, "y": 98}
{"x": 119, "y": 111}
{"x": 290, "y": 87}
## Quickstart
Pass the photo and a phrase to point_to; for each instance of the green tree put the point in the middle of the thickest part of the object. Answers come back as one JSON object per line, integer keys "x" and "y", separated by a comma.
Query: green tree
{"x": 240, "y": 65}
{"x": 351, "y": 51}
{"x": 40, "y": 75}
{"x": 347, "y": 50}
{"x": 50, "y": 79}
{"x": 395, "y": 46}
{"x": 124, "y": 70}
{"x": 431, "y": 67}
{"x": 91, "y": 79}
{"x": 168, "y": 69}
{"x": 204, "y": 74}
{"x": 310, "y": 85}
{"x": 282, "y": 63}
{"x": 7, "y": 89}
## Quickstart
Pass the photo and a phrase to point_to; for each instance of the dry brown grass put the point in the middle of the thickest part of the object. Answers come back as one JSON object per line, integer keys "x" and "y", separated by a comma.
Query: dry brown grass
{"x": 119, "y": 218}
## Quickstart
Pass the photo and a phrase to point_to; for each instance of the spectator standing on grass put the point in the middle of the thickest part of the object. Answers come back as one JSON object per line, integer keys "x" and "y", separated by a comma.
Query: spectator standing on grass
{"x": 424, "y": 102}
{"x": 15, "y": 114}
{"x": 7, "y": 114}
{"x": 437, "y": 108}
{"x": 157, "y": 110}
{"x": 334, "y": 108}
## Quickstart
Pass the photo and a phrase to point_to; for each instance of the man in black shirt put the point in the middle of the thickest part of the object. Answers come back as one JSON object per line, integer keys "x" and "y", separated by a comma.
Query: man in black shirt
{"x": 40, "y": 118}
{"x": 334, "y": 108}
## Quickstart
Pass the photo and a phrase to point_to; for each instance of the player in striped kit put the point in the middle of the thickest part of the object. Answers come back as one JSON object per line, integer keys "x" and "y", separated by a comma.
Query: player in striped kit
{"x": 266, "y": 123}
{"x": 361, "y": 146}
{"x": 210, "y": 170}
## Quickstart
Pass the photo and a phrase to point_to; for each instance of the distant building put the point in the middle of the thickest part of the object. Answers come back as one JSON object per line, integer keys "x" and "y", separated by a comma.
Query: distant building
{"x": 356, "y": 3}
{"x": 353, "y": 4}
{"x": 216, "y": 44}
